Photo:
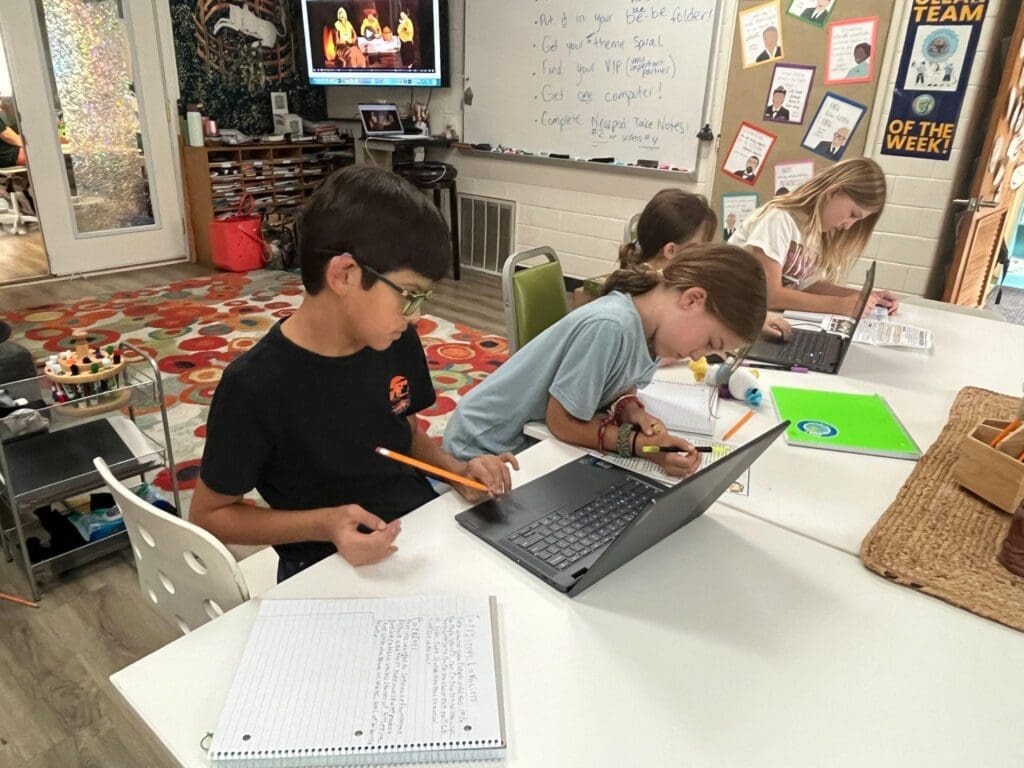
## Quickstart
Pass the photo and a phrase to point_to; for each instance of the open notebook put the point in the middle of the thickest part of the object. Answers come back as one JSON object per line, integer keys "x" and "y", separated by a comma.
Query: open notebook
{"x": 683, "y": 406}
{"x": 372, "y": 681}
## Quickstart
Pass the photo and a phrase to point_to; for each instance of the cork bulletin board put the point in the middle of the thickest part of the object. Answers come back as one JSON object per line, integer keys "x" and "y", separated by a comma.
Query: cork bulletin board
{"x": 802, "y": 81}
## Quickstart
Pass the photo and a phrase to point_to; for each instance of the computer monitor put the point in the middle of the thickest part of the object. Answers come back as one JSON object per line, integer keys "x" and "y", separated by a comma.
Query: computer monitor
{"x": 386, "y": 43}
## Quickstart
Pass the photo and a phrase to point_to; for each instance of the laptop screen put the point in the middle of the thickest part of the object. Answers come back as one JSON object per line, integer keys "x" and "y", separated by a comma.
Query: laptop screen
{"x": 858, "y": 312}
{"x": 380, "y": 119}
{"x": 862, "y": 300}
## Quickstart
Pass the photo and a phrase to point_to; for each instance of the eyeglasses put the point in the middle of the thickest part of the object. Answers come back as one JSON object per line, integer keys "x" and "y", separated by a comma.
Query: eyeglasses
{"x": 413, "y": 300}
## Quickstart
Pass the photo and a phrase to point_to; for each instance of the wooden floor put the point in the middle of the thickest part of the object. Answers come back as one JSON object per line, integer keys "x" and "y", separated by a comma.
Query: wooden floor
{"x": 22, "y": 256}
{"x": 57, "y": 707}
{"x": 61, "y": 290}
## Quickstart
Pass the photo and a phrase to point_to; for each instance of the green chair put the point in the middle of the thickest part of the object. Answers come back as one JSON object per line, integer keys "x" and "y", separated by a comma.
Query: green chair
{"x": 534, "y": 297}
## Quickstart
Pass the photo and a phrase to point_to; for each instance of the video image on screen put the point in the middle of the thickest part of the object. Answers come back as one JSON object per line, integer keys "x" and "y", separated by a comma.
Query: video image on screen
{"x": 382, "y": 36}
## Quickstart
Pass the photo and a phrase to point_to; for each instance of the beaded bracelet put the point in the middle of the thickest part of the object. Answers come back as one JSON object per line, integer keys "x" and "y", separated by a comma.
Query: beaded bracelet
{"x": 623, "y": 443}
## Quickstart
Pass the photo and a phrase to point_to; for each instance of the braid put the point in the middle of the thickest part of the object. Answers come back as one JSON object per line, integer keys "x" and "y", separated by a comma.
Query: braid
{"x": 634, "y": 280}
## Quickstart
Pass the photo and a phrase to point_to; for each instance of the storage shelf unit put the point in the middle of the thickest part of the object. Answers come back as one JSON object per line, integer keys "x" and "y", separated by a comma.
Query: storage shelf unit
{"x": 55, "y": 463}
{"x": 277, "y": 176}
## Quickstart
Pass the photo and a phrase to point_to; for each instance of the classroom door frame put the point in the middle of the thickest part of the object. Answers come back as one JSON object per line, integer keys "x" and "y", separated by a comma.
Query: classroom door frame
{"x": 979, "y": 228}
{"x": 69, "y": 250}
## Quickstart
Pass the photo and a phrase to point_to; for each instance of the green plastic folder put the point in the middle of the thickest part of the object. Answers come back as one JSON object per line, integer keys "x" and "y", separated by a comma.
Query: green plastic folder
{"x": 838, "y": 421}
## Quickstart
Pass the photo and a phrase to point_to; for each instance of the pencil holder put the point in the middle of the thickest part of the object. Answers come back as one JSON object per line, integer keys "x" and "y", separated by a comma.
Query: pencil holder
{"x": 991, "y": 474}
{"x": 87, "y": 380}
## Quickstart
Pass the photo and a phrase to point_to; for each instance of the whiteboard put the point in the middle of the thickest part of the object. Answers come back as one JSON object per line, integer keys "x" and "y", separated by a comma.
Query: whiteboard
{"x": 589, "y": 78}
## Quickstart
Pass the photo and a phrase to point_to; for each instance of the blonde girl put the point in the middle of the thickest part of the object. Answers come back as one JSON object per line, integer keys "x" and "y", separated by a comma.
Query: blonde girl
{"x": 580, "y": 375}
{"x": 808, "y": 239}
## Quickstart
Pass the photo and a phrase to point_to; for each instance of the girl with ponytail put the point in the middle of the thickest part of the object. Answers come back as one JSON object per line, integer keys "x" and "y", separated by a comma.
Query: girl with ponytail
{"x": 671, "y": 221}
{"x": 581, "y": 374}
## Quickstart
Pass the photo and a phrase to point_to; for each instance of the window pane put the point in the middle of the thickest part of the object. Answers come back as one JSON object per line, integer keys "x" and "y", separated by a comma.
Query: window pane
{"x": 89, "y": 57}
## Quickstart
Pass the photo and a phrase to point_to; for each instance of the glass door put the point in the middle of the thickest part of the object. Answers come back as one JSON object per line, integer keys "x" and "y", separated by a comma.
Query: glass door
{"x": 22, "y": 254}
{"x": 95, "y": 116}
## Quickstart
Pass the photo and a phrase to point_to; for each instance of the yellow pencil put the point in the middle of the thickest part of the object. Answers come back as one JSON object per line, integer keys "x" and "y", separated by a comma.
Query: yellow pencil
{"x": 736, "y": 427}
{"x": 431, "y": 469}
{"x": 18, "y": 600}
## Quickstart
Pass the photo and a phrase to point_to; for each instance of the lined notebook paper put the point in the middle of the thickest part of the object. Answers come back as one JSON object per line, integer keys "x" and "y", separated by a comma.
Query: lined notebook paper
{"x": 683, "y": 406}
{"x": 365, "y": 682}
{"x": 651, "y": 470}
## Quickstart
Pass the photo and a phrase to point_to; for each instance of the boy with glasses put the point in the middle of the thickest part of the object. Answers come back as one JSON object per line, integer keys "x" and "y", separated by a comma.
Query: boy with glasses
{"x": 299, "y": 415}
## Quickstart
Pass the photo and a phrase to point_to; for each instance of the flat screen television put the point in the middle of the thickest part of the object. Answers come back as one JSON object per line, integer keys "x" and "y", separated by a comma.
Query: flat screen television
{"x": 376, "y": 42}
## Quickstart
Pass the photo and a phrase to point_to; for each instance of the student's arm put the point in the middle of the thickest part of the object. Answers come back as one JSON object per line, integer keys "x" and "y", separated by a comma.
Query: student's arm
{"x": 492, "y": 471}
{"x": 10, "y": 136}
{"x": 569, "y": 429}
{"x": 234, "y": 522}
{"x": 825, "y": 288}
{"x": 781, "y": 297}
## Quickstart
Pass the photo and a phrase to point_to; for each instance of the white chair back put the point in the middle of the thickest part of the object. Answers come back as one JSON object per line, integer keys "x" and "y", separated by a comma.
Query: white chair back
{"x": 185, "y": 573}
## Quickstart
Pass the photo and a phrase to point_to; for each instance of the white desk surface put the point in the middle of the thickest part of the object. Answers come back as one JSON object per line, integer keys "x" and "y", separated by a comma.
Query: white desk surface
{"x": 731, "y": 643}
{"x": 836, "y": 498}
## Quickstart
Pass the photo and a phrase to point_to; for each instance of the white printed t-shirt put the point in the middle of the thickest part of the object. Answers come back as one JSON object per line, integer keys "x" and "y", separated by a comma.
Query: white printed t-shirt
{"x": 777, "y": 234}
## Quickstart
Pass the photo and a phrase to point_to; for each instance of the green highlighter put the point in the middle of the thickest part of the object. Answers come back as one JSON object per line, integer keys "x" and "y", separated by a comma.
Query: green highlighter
{"x": 839, "y": 421}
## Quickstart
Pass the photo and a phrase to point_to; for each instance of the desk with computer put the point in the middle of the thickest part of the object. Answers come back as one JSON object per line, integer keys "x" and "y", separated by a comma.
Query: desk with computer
{"x": 390, "y": 141}
{"x": 697, "y": 631}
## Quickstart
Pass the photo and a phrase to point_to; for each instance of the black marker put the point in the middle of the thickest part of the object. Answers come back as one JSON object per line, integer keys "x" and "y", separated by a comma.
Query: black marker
{"x": 602, "y": 160}
{"x": 674, "y": 449}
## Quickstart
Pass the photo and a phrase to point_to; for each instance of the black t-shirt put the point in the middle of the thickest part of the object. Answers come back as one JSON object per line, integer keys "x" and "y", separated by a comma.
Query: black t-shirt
{"x": 301, "y": 429}
{"x": 8, "y": 152}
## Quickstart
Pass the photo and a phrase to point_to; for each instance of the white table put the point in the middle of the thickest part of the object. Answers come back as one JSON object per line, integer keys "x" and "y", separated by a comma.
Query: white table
{"x": 731, "y": 643}
{"x": 836, "y": 498}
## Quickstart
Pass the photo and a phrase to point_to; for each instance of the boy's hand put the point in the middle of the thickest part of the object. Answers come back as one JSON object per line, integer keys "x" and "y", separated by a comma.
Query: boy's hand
{"x": 679, "y": 464}
{"x": 882, "y": 298}
{"x": 492, "y": 471}
{"x": 362, "y": 548}
{"x": 776, "y": 327}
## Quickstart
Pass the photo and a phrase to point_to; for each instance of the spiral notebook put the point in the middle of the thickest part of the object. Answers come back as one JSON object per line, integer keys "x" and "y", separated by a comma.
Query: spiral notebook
{"x": 683, "y": 406}
{"x": 373, "y": 681}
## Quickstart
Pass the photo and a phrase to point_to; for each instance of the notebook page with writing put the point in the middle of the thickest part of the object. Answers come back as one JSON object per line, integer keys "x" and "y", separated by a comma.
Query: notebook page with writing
{"x": 649, "y": 469}
{"x": 683, "y": 406}
{"x": 364, "y": 682}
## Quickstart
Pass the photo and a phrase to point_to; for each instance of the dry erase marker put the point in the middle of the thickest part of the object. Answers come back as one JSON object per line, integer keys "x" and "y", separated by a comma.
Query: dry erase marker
{"x": 675, "y": 449}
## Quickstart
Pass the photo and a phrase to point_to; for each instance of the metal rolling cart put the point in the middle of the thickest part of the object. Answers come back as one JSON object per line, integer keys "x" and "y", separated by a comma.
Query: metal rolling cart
{"x": 46, "y": 454}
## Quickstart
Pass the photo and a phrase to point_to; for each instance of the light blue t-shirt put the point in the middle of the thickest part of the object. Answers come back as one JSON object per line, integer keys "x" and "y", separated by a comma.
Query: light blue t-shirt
{"x": 586, "y": 360}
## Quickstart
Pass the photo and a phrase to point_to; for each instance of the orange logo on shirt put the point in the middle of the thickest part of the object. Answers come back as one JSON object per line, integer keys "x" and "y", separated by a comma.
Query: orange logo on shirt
{"x": 398, "y": 394}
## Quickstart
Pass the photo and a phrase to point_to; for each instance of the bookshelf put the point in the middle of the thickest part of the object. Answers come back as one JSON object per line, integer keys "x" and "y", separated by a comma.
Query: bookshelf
{"x": 277, "y": 176}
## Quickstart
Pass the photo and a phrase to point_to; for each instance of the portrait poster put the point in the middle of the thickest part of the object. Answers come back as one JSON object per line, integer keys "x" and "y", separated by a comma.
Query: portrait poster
{"x": 813, "y": 12}
{"x": 760, "y": 31}
{"x": 792, "y": 174}
{"x": 736, "y": 207}
{"x": 834, "y": 123}
{"x": 789, "y": 93}
{"x": 747, "y": 155}
{"x": 850, "y": 52}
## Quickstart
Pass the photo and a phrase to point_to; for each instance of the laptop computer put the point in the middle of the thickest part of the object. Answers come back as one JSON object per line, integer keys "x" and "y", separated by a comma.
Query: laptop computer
{"x": 575, "y": 525}
{"x": 384, "y": 121}
{"x": 820, "y": 350}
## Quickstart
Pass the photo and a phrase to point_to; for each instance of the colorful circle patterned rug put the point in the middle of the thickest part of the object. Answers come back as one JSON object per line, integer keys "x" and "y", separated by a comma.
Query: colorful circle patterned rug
{"x": 195, "y": 327}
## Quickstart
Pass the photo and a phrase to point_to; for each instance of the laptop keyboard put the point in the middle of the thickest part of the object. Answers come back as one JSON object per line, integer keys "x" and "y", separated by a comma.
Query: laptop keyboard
{"x": 565, "y": 537}
{"x": 803, "y": 347}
